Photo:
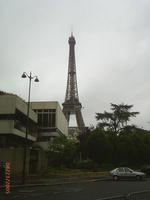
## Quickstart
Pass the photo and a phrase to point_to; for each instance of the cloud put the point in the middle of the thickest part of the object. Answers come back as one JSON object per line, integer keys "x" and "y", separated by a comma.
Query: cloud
{"x": 112, "y": 51}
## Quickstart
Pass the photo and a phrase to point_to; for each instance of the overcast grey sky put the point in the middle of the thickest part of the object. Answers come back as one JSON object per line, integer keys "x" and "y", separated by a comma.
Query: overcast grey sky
{"x": 112, "y": 51}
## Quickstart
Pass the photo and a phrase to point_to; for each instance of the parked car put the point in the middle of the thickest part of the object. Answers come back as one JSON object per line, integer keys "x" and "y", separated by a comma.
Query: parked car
{"x": 126, "y": 173}
{"x": 146, "y": 169}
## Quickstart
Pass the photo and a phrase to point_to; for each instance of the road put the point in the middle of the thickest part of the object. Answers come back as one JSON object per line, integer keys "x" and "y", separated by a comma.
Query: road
{"x": 81, "y": 191}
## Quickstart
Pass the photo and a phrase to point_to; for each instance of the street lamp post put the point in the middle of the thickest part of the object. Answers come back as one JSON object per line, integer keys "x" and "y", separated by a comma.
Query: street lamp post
{"x": 25, "y": 75}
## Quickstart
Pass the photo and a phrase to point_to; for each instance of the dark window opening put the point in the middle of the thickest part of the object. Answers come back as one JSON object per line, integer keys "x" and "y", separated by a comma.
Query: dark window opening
{"x": 46, "y": 118}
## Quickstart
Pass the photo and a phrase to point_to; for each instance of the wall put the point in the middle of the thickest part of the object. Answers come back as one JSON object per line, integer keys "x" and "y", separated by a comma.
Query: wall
{"x": 62, "y": 123}
{"x": 44, "y": 105}
{"x": 8, "y": 105}
{"x": 15, "y": 157}
{"x": 22, "y": 106}
{"x": 6, "y": 126}
{"x": 42, "y": 161}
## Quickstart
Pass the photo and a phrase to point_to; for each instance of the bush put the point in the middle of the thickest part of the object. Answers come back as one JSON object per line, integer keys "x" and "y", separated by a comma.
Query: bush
{"x": 63, "y": 152}
{"x": 87, "y": 165}
{"x": 107, "y": 167}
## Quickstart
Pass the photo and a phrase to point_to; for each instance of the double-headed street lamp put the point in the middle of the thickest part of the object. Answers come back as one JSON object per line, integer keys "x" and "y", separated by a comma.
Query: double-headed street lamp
{"x": 25, "y": 75}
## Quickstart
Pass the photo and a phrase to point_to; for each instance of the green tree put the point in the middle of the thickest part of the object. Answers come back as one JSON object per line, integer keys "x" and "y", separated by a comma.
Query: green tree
{"x": 63, "y": 151}
{"x": 131, "y": 149}
{"x": 98, "y": 146}
{"x": 116, "y": 120}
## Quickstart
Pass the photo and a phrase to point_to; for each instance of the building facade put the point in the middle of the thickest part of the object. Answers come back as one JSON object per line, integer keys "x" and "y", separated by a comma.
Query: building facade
{"x": 13, "y": 119}
{"x": 46, "y": 120}
{"x": 51, "y": 122}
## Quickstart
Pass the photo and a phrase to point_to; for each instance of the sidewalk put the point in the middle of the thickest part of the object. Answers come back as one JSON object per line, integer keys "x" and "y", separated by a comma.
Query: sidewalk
{"x": 33, "y": 181}
{"x": 51, "y": 181}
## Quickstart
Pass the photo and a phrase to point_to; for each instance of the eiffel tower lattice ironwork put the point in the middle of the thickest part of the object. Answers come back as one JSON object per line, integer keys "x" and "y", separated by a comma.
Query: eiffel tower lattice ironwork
{"x": 72, "y": 104}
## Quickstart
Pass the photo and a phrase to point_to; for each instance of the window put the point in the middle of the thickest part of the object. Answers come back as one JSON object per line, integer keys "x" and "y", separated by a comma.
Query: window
{"x": 20, "y": 123}
{"x": 40, "y": 120}
{"x": 127, "y": 170}
{"x": 121, "y": 169}
{"x": 46, "y": 118}
{"x": 7, "y": 116}
{"x": 53, "y": 120}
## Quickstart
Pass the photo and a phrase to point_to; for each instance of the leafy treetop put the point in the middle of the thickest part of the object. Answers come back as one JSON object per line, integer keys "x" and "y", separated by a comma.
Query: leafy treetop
{"x": 117, "y": 120}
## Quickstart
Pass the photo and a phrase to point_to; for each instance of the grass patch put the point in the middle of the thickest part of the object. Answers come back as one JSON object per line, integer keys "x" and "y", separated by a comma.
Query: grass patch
{"x": 65, "y": 172}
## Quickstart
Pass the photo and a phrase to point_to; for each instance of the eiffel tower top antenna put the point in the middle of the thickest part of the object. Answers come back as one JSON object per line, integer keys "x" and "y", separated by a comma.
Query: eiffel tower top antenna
{"x": 71, "y": 30}
{"x": 72, "y": 104}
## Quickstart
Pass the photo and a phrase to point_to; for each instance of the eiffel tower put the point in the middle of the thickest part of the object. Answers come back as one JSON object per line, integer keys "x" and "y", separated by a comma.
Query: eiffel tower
{"x": 72, "y": 104}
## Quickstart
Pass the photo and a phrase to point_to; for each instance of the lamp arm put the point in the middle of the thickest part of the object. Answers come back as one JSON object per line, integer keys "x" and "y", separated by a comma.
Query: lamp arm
{"x": 34, "y": 77}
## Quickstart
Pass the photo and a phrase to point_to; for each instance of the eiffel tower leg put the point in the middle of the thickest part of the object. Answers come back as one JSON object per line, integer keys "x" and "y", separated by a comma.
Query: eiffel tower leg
{"x": 79, "y": 119}
{"x": 67, "y": 115}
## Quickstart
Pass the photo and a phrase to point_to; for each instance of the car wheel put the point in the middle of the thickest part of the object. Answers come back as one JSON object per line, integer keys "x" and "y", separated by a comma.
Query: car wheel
{"x": 138, "y": 178}
{"x": 115, "y": 178}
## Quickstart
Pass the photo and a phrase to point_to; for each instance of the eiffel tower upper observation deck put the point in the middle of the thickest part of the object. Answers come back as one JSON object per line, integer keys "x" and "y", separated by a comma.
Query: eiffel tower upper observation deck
{"x": 72, "y": 104}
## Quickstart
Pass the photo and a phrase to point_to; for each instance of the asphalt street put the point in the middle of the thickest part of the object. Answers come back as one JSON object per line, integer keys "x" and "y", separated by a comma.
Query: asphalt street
{"x": 77, "y": 191}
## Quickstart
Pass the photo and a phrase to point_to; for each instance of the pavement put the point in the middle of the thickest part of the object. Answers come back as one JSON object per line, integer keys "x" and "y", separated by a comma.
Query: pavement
{"x": 33, "y": 182}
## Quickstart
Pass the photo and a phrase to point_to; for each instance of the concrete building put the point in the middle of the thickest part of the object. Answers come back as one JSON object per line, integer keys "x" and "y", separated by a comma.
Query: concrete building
{"x": 13, "y": 120}
{"x": 46, "y": 122}
{"x": 51, "y": 121}
{"x": 13, "y": 117}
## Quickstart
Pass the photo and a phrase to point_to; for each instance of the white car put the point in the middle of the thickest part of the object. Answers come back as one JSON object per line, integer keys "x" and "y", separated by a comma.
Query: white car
{"x": 126, "y": 173}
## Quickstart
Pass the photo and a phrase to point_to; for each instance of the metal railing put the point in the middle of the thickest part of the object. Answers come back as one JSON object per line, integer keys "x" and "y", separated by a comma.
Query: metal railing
{"x": 119, "y": 197}
{"x": 143, "y": 195}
